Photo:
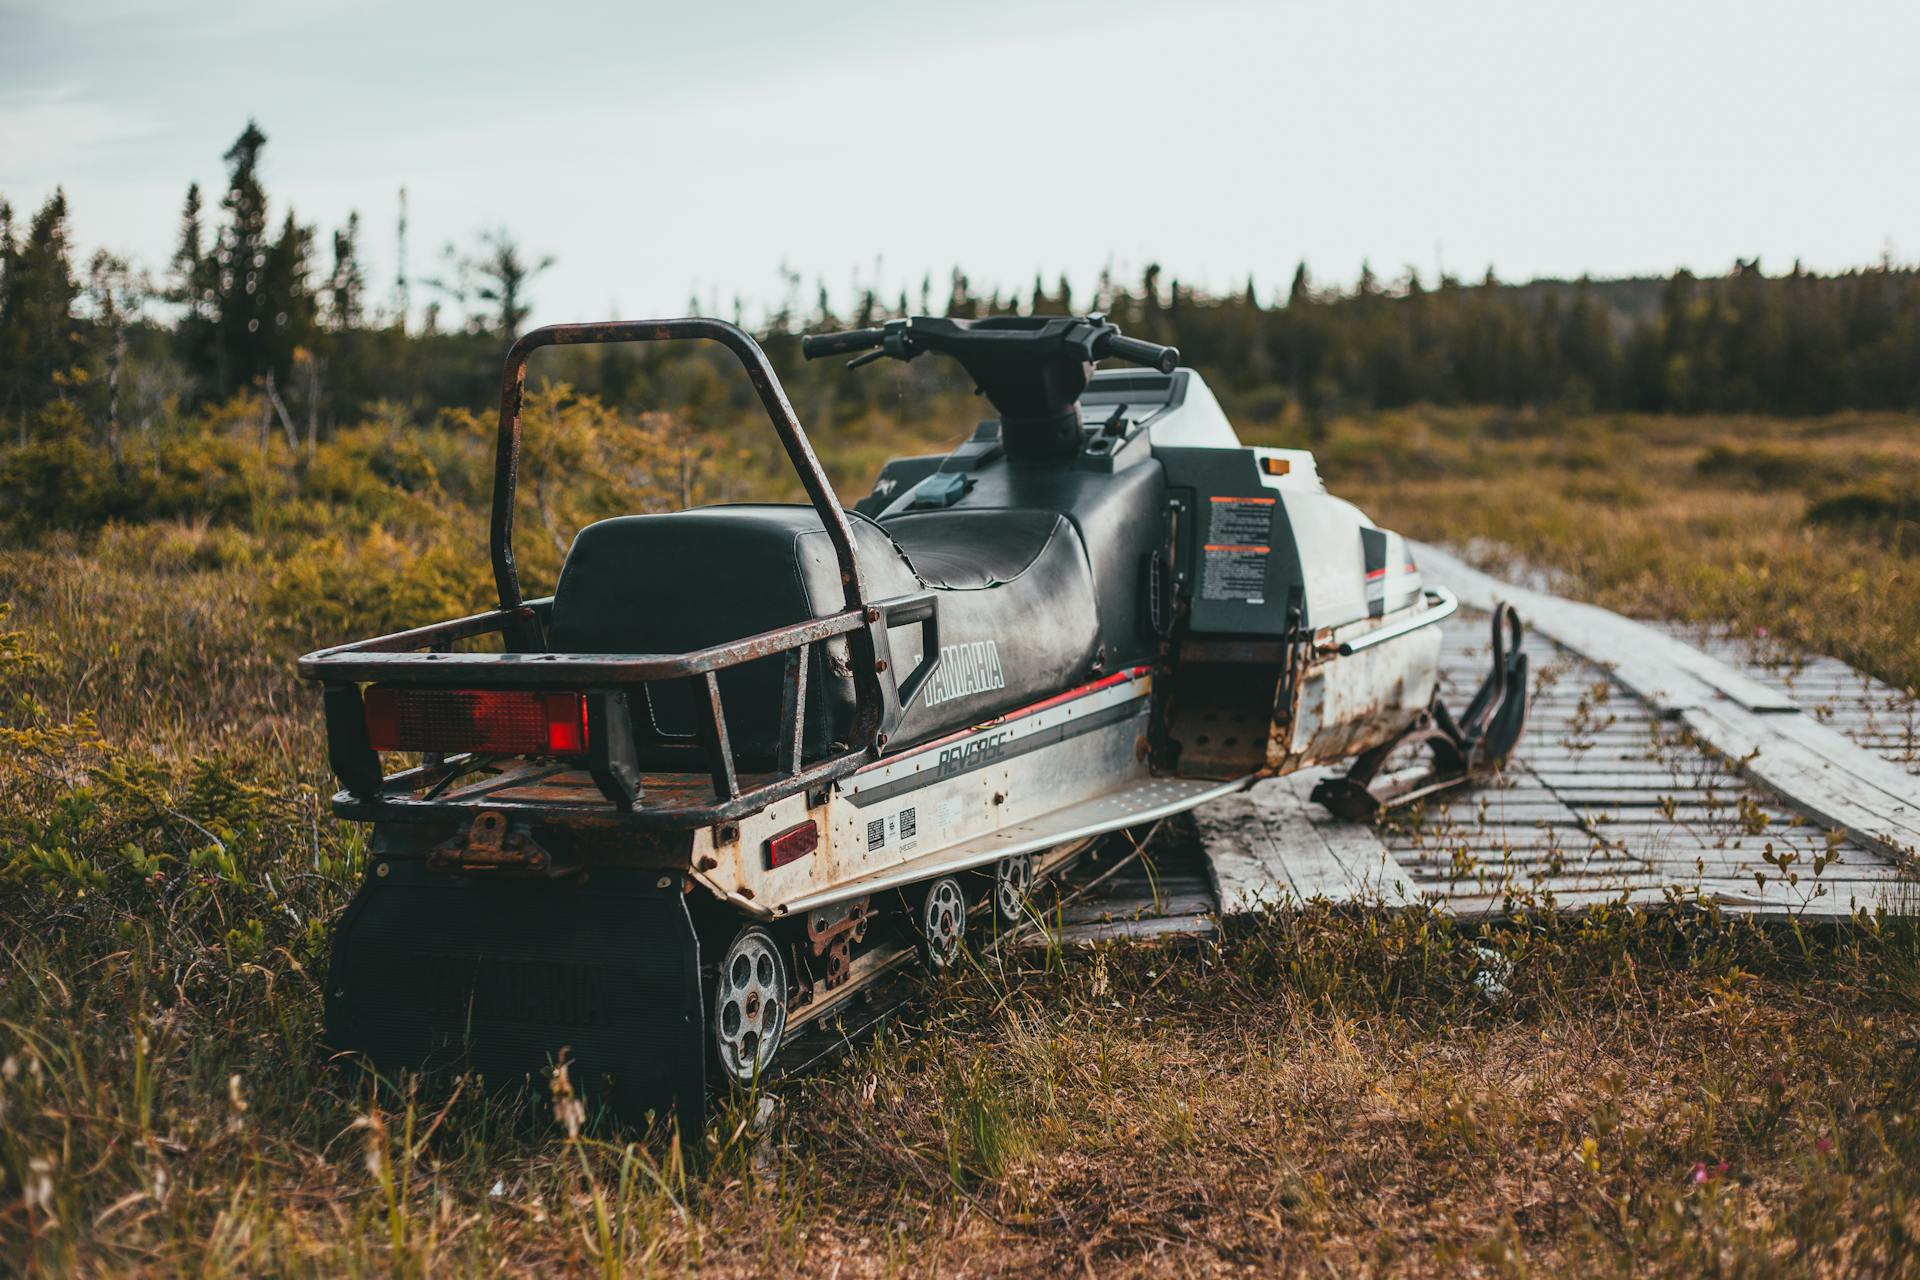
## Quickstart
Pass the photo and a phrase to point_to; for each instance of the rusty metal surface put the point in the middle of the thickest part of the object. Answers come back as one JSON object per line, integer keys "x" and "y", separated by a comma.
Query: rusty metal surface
{"x": 1220, "y": 712}
{"x": 766, "y": 384}
{"x": 831, "y": 934}
{"x": 1346, "y": 704}
{"x": 388, "y": 657}
{"x": 665, "y": 790}
{"x": 678, "y": 808}
{"x": 492, "y": 843}
{"x": 520, "y": 623}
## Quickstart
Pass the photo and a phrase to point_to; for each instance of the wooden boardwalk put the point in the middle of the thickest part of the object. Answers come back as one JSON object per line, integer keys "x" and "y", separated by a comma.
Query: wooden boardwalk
{"x": 1605, "y": 801}
{"x": 1617, "y": 794}
{"x": 1874, "y": 714}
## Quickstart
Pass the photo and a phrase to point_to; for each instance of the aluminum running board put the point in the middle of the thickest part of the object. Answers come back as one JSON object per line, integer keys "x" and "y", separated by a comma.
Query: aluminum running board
{"x": 1128, "y": 806}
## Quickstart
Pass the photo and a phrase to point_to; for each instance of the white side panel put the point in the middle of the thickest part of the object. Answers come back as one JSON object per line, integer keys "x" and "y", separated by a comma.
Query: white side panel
{"x": 1398, "y": 584}
{"x": 1332, "y": 561}
{"x": 931, "y": 799}
{"x": 1197, "y": 422}
{"x": 1142, "y": 800}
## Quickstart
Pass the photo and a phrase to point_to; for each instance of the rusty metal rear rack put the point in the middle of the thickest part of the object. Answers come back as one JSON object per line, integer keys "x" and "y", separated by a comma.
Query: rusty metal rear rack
{"x": 423, "y": 657}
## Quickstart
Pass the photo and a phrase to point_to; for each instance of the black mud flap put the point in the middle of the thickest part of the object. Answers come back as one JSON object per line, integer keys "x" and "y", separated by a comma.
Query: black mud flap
{"x": 498, "y": 976}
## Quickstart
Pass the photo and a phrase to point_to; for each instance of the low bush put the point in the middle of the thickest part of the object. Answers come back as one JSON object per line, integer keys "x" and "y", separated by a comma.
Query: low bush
{"x": 1887, "y": 512}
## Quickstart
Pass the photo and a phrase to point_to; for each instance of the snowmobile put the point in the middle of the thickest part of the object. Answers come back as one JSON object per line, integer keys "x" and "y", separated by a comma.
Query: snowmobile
{"x": 746, "y": 757}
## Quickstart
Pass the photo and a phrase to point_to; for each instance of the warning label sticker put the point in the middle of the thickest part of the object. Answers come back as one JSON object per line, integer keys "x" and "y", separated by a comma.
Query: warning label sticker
{"x": 1234, "y": 561}
{"x": 1234, "y": 573}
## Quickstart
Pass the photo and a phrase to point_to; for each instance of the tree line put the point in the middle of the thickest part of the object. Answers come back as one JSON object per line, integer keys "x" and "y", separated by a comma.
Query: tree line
{"x": 251, "y": 305}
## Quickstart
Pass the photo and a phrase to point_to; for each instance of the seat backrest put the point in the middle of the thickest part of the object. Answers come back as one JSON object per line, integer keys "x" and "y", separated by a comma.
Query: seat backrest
{"x": 685, "y": 580}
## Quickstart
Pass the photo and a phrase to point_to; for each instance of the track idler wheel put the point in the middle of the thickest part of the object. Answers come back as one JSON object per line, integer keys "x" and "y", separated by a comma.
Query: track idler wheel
{"x": 1012, "y": 885}
{"x": 940, "y": 924}
{"x": 750, "y": 1006}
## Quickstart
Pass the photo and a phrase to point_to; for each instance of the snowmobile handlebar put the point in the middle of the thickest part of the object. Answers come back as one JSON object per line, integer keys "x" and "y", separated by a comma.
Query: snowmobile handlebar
{"x": 903, "y": 340}
{"x": 814, "y": 346}
{"x": 1134, "y": 351}
{"x": 1032, "y": 369}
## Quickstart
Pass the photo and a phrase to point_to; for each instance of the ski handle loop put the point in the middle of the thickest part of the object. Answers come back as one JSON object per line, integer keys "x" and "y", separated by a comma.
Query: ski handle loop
{"x": 1497, "y": 692}
{"x": 1493, "y": 690}
{"x": 773, "y": 398}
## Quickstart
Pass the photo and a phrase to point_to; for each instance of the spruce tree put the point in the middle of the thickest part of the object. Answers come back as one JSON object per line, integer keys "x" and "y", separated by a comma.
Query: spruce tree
{"x": 291, "y": 311}
{"x": 9, "y": 254}
{"x": 1300, "y": 292}
{"x": 500, "y": 273}
{"x": 187, "y": 283}
{"x": 39, "y": 341}
{"x": 241, "y": 314}
{"x": 191, "y": 280}
{"x": 347, "y": 283}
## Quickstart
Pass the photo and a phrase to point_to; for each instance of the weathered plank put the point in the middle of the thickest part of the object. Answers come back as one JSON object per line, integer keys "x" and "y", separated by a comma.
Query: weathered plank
{"x": 1817, "y": 769}
{"x": 1249, "y": 875}
{"x": 1271, "y": 846}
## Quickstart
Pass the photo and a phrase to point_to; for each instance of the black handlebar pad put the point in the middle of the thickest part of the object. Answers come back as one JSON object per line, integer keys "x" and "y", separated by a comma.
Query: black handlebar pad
{"x": 1150, "y": 354}
{"x": 816, "y": 345}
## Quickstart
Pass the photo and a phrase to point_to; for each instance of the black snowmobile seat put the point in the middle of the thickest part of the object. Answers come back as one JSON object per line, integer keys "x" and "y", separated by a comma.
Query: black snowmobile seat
{"x": 1015, "y": 607}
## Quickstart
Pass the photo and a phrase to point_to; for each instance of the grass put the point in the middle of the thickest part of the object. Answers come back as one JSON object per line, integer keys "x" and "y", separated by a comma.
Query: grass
{"x": 1321, "y": 1091}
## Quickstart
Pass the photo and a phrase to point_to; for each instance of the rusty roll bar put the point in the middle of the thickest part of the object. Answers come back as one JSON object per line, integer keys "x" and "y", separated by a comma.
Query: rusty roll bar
{"x": 773, "y": 397}
{"x": 605, "y": 677}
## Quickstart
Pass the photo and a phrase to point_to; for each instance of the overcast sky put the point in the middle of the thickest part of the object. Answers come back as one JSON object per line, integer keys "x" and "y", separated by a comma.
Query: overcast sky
{"x": 659, "y": 151}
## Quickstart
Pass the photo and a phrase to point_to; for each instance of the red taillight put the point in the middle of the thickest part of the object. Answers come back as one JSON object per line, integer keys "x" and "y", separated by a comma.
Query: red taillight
{"x": 495, "y": 721}
{"x": 794, "y": 842}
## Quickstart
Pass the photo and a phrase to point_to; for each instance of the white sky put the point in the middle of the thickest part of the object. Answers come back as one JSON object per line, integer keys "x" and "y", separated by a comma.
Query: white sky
{"x": 661, "y": 150}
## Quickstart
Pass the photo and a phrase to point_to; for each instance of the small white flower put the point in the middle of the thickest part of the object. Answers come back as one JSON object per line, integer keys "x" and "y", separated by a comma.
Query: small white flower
{"x": 38, "y": 1193}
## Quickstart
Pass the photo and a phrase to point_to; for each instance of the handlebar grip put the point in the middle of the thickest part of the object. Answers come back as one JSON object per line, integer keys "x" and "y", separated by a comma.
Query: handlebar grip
{"x": 816, "y": 345}
{"x": 1150, "y": 354}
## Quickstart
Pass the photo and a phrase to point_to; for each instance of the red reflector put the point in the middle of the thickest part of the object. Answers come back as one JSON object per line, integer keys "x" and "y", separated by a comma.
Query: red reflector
{"x": 794, "y": 842}
{"x": 496, "y": 721}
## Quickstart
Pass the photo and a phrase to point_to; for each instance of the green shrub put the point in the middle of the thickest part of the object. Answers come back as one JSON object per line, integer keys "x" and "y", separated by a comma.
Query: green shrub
{"x": 62, "y": 483}
{"x": 1887, "y": 512}
{"x": 1769, "y": 465}
{"x": 205, "y": 477}
{"x": 66, "y": 482}
{"x": 340, "y": 588}
{"x": 370, "y": 469}
{"x": 174, "y": 548}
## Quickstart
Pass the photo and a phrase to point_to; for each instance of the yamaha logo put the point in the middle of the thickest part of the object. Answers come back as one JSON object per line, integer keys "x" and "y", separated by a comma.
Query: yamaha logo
{"x": 965, "y": 669}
